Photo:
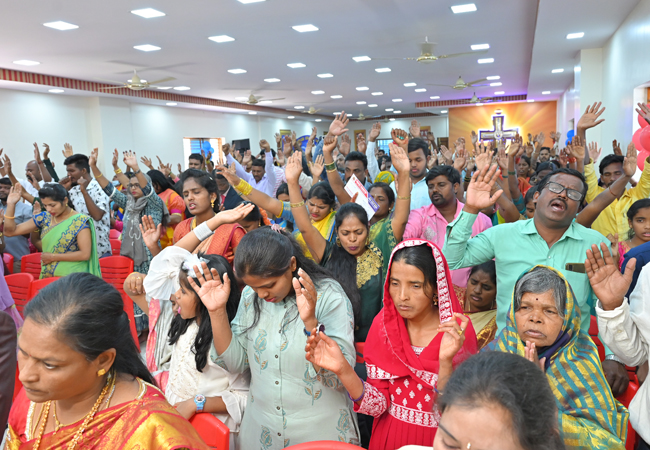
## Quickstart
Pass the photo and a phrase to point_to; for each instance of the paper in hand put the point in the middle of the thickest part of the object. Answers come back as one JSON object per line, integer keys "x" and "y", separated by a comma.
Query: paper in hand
{"x": 364, "y": 199}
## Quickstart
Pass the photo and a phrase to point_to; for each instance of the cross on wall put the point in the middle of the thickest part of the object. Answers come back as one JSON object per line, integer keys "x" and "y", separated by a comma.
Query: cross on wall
{"x": 497, "y": 133}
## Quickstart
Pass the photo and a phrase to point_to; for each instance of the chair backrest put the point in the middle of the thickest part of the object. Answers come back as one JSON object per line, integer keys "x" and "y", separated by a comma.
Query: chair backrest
{"x": 19, "y": 284}
{"x": 115, "y": 269}
{"x": 323, "y": 445}
{"x": 625, "y": 399}
{"x": 31, "y": 264}
{"x": 9, "y": 261}
{"x": 37, "y": 285}
{"x": 213, "y": 431}
{"x": 114, "y": 234}
{"x": 116, "y": 246}
{"x": 593, "y": 333}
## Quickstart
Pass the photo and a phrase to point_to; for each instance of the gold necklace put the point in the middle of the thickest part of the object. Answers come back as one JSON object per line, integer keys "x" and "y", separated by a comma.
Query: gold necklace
{"x": 56, "y": 221}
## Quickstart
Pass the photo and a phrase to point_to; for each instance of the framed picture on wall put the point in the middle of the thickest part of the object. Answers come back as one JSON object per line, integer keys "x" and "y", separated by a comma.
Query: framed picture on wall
{"x": 443, "y": 141}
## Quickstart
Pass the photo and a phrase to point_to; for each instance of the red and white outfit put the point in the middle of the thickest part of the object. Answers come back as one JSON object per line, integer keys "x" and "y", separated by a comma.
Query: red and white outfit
{"x": 400, "y": 392}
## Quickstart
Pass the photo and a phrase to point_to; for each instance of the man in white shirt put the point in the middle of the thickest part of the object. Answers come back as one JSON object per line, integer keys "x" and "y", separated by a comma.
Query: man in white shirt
{"x": 262, "y": 176}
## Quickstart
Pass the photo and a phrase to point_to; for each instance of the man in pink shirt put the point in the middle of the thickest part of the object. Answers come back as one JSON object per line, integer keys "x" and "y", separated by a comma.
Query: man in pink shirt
{"x": 430, "y": 222}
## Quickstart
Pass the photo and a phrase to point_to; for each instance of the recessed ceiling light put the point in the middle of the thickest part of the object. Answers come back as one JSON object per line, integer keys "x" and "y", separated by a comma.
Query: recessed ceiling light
{"x": 444, "y": 111}
{"x": 336, "y": 96}
{"x": 480, "y": 46}
{"x": 146, "y": 48}
{"x": 163, "y": 88}
{"x": 362, "y": 88}
{"x": 397, "y": 112}
{"x": 372, "y": 105}
{"x": 388, "y": 109}
{"x": 252, "y": 113}
{"x": 382, "y": 70}
{"x": 396, "y": 100}
{"x": 577, "y": 69}
{"x": 60, "y": 25}
{"x": 250, "y": 1}
{"x": 26, "y": 62}
{"x": 479, "y": 104}
{"x": 236, "y": 71}
{"x": 221, "y": 38}
{"x": 486, "y": 60}
{"x": 181, "y": 88}
{"x": 272, "y": 80}
{"x": 493, "y": 77}
{"x": 291, "y": 117}
{"x": 392, "y": 119}
{"x": 420, "y": 90}
{"x": 499, "y": 92}
{"x": 469, "y": 7}
{"x": 349, "y": 115}
{"x": 319, "y": 120}
{"x": 361, "y": 103}
{"x": 299, "y": 107}
{"x": 377, "y": 93}
{"x": 410, "y": 84}
{"x": 56, "y": 91}
{"x": 497, "y": 83}
{"x": 336, "y": 113}
{"x": 148, "y": 13}
{"x": 557, "y": 70}
{"x": 546, "y": 92}
{"x": 305, "y": 28}
{"x": 575, "y": 35}
{"x": 361, "y": 58}
{"x": 317, "y": 92}
{"x": 434, "y": 97}
{"x": 530, "y": 100}
{"x": 171, "y": 104}
{"x": 324, "y": 75}
{"x": 296, "y": 65}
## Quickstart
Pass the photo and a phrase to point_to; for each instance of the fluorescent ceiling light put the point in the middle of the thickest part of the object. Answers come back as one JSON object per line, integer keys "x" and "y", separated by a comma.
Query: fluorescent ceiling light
{"x": 372, "y": 105}
{"x": 56, "y": 91}
{"x": 250, "y": 1}
{"x": 324, "y": 75}
{"x": 434, "y": 97}
{"x": 291, "y": 117}
{"x": 498, "y": 83}
{"x": 382, "y": 70}
{"x": 444, "y": 111}
{"x": 479, "y": 104}
{"x": 530, "y": 100}
{"x": 397, "y": 100}
{"x": 546, "y": 92}
{"x": 499, "y": 92}
{"x": 361, "y": 58}
{"x": 336, "y": 96}
{"x": 272, "y": 80}
{"x": 397, "y": 112}
{"x": 305, "y": 28}
{"x": 469, "y": 7}
{"x": 146, "y": 48}
{"x": 493, "y": 77}
{"x": 141, "y": 80}
{"x": 252, "y": 113}
{"x": 163, "y": 88}
{"x": 299, "y": 107}
{"x": 171, "y": 104}
{"x": 410, "y": 84}
{"x": 181, "y": 88}
{"x": 557, "y": 70}
{"x": 349, "y": 115}
{"x": 361, "y": 103}
{"x": 420, "y": 90}
{"x": 362, "y": 88}
{"x": 575, "y": 35}
{"x": 26, "y": 62}
{"x": 336, "y": 113}
{"x": 319, "y": 120}
{"x": 392, "y": 119}
{"x": 388, "y": 109}
{"x": 148, "y": 13}
{"x": 480, "y": 46}
{"x": 221, "y": 38}
{"x": 296, "y": 65}
{"x": 377, "y": 93}
{"x": 236, "y": 71}
{"x": 486, "y": 60}
{"x": 60, "y": 25}
{"x": 317, "y": 92}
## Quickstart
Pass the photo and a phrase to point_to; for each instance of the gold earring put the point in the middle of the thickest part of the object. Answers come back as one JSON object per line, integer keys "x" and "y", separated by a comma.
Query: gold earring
{"x": 435, "y": 300}
{"x": 338, "y": 242}
{"x": 212, "y": 203}
{"x": 101, "y": 372}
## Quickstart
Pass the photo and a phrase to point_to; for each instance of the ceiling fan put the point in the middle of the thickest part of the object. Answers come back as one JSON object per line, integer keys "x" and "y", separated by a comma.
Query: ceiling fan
{"x": 462, "y": 85}
{"x": 311, "y": 110}
{"x": 135, "y": 83}
{"x": 253, "y": 100}
{"x": 427, "y": 56}
{"x": 363, "y": 117}
{"x": 476, "y": 99}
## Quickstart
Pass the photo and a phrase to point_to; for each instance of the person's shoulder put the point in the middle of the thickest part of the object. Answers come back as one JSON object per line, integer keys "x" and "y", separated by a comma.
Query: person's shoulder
{"x": 640, "y": 250}
{"x": 588, "y": 234}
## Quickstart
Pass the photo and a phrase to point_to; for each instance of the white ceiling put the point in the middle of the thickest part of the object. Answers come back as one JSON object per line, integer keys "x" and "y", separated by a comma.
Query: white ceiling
{"x": 527, "y": 40}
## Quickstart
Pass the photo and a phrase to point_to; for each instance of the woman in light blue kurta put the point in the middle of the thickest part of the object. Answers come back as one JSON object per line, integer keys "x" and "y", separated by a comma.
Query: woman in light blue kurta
{"x": 290, "y": 401}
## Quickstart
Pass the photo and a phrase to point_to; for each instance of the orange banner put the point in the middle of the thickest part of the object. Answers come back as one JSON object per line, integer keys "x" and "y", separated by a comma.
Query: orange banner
{"x": 523, "y": 117}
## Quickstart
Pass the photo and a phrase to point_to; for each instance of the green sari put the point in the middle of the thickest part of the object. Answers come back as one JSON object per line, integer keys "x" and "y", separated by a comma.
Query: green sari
{"x": 381, "y": 234}
{"x": 62, "y": 238}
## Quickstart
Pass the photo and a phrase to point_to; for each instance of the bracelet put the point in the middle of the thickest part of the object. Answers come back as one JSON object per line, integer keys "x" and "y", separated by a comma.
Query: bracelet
{"x": 512, "y": 172}
{"x": 297, "y": 205}
{"x": 243, "y": 187}
{"x": 10, "y": 217}
{"x": 504, "y": 176}
{"x": 468, "y": 179}
{"x": 403, "y": 198}
{"x": 100, "y": 175}
{"x": 363, "y": 392}
{"x": 613, "y": 357}
{"x": 203, "y": 231}
{"x": 118, "y": 171}
{"x": 139, "y": 171}
{"x": 331, "y": 170}
{"x": 330, "y": 167}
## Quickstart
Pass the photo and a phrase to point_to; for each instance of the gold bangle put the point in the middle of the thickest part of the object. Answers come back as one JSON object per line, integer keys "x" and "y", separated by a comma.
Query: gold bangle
{"x": 331, "y": 170}
{"x": 243, "y": 187}
{"x": 330, "y": 167}
{"x": 10, "y": 217}
{"x": 117, "y": 172}
{"x": 403, "y": 198}
{"x": 297, "y": 205}
{"x": 100, "y": 175}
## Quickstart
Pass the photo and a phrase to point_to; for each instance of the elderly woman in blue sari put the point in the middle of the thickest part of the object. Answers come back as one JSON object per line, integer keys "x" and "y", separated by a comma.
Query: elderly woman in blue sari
{"x": 68, "y": 237}
{"x": 543, "y": 325}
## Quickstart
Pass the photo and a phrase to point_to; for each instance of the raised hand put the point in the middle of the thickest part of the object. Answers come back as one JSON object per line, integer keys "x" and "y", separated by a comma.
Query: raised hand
{"x": 399, "y": 159}
{"x": 225, "y": 148}
{"x": 317, "y": 168}
{"x": 37, "y": 154}
{"x": 482, "y": 155}
{"x": 502, "y": 160}
{"x": 150, "y": 232}
{"x": 278, "y": 139}
{"x": 229, "y": 175}
{"x": 247, "y": 158}
{"x": 344, "y": 147}
{"x": 461, "y": 160}
{"x": 374, "y": 132}
{"x": 540, "y": 138}
{"x": 264, "y": 144}
{"x": 478, "y": 193}
{"x": 236, "y": 214}
{"x": 287, "y": 146}
{"x": 447, "y": 154}
{"x": 414, "y": 129}
{"x": 293, "y": 138}
{"x": 294, "y": 168}
{"x": 83, "y": 183}
{"x": 594, "y": 151}
{"x": 629, "y": 163}
{"x": 46, "y": 152}
{"x": 609, "y": 285}
{"x": 131, "y": 160}
{"x": 212, "y": 292}
{"x": 147, "y": 162}
{"x": 305, "y": 296}
{"x": 400, "y": 138}
{"x": 474, "y": 138}
{"x": 7, "y": 164}
{"x": 361, "y": 143}
{"x": 324, "y": 352}
{"x": 453, "y": 337}
{"x": 563, "y": 157}
{"x": 180, "y": 169}
{"x": 616, "y": 148}
{"x": 337, "y": 127}
{"x": 313, "y": 134}
{"x": 530, "y": 353}
{"x": 92, "y": 159}
{"x": 577, "y": 148}
{"x": 67, "y": 150}
{"x": 15, "y": 194}
{"x": 643, "y": 111}
{"x": 591, "y": 117}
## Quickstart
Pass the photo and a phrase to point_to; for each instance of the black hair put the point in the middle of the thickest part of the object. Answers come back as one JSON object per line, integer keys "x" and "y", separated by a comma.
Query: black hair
{"x": 416, "y": 144}
{"x": 179, "y": 326}
{"x": 547, "y": 165}
{"x": 526, "y": 159}
{"x": 544, "y": 181}
{"x": 387, "y": 190}
{"x": 267, "y": 254}
{"x": 6, "y": 181}
{"x": 489, "y": 267}
{"x": 545, "y": 148}
{"x": 254, "y": 216}
{"x": 218, "y": 176}
{"x": 420, "y": 257}
{"x": 634, "y": 209}
{"x": 323, "y": 191}
{"x": 556, "y": 163}
{"x": 80, "y": 161}
{"x": 158, "y": 178}
{"x": 88, "y": 314}
{"x": 259, "y": 162}
{"x": 357, "y": 156}
{"x": 610, "y": 159}
{"x": 513, "y": 383}
{"x": 447, "y": 171}
{"x": 53, "y": 191}
{"x": 197, "y": 156}
{"x": 282, "y": 189}
{"x": 203, "y": 179}
{"x": 529, "y": 194}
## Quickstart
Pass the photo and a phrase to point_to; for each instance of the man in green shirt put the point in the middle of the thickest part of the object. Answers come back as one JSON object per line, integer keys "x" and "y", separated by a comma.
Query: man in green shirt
{"x": 551, "y": 238}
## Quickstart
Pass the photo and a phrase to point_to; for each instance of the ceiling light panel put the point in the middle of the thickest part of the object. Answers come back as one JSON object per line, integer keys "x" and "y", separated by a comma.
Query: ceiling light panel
{"x": 318, "y": 92}
{"x": 291, "y": 117}
{"x": 319, "y": 120}
{"x": 361, "y": 103}
{"x": 181, "y": 88}
{"x": 496, "y": 83}
{"x": 377, "y": 93}
{"x": 397, "y": 100}
{"x": 148, "y": 13}
{"x": 272, "y": 80}
{"x": 296, "y": 65}
{"x": 444, "y": 111}
{"x": 250, "y": 1}
{"x": 459, "y": 9}
{"x": 362, "y": 88}
{"x": 305, "y": 28}
{"x": 372, "y": 105}
{"x": 171, "y": 104}
{"x": 499, "y": 93}
{"x": 26, "y": 62}
{"x": 336, "y": 96}
{"x": 557, "y": 70}
{"x": 410, "y": 84}
{"x": 60, "y": 25}
{"x": 486, "y": 60}
{"x": 480, "y": 46}
{"x": 299, "y": 107}
{"x": 325, "y": 75}
{"x": 434, "y": 97}
{"x": 252, "y": 113}
{"x": 531, "y": 100}
{"x": 221, "y": 38}
{"x": 382, "y": 70}
{"x": 546, "y": 92}
{"x": 236, "y": 71}
{"x": 361, "y": 58}
{"x": 420, "y": 90}
{"x": 493, "y": 77}
{"x": 146, "y": 48}
{"x": 575, "y": 35}
{"x": 397, "y": 112}
{"x": 56, "y": 91}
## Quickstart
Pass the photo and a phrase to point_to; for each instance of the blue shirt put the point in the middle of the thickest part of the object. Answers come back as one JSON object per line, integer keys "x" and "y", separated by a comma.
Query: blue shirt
{"x": 642, "y": 255}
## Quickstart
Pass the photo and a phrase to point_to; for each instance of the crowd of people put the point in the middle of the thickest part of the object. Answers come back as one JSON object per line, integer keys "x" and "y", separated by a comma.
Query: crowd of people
{"x": 454, "y": 314}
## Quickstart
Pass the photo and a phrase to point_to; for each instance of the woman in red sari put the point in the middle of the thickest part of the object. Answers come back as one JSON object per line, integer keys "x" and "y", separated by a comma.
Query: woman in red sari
{"x": 85, "y": 386}
{"x": 412, "y": 348}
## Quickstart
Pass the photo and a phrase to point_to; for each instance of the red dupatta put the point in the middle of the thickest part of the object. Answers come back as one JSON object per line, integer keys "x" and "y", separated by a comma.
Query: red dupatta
{"x": 388, "y": 346}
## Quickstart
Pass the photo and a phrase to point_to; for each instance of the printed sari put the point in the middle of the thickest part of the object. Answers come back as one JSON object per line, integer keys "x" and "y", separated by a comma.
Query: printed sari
{"x": 148, "y": 423}
{"x": 223, "y": 241}
{"x": 325, "y": 227}
{"x": 62, "y": 238}
{"x": 176, "y": 206}
{"x": 589, "y": 415}
{"x": 484, "y": 322}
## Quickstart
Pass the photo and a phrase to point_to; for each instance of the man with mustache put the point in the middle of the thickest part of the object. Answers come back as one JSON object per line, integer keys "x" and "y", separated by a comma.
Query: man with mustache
{"x": 551, "y": 238}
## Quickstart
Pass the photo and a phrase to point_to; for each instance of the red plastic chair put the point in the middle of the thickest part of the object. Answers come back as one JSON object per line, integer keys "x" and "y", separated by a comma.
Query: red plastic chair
{"x": 625, "y": 399}
{"x": 116, "y": 246}
{"x": 593, "y": 333}
{"x": 37, "y": 285}
{"x": 115, "y": 269}
{"x": 213, "y": 431}
{"x": 359, "y": 346}
{"x": 19, "y": 284}
{"x": 323, "y": 445}
{"x": 114, "y": 234}
{"x": 9, "y": 261}
{"x": 31, "y": 264}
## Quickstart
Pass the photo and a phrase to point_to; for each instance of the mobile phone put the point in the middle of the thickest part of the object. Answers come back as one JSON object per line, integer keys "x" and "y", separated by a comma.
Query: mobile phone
{"x": 575, "y": 267}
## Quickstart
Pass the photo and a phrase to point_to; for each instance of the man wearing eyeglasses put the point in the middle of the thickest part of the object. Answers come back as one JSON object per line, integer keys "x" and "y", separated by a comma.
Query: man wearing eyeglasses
{"x": 551, "y": 238}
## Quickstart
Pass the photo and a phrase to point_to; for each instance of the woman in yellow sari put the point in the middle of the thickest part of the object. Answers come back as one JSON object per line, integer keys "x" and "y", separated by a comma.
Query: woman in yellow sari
{"x": 85, "y": 386}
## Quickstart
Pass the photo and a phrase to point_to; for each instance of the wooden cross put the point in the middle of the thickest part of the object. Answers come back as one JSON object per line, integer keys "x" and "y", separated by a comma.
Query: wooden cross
{"x": 498, "y": 132}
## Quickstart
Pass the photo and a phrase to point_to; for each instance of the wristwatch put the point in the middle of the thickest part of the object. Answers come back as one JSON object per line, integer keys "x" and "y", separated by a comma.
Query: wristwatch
{"x": 320, "y": 327}
{"x": 199, "y": 401}
{"x": 613, "y": 357}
